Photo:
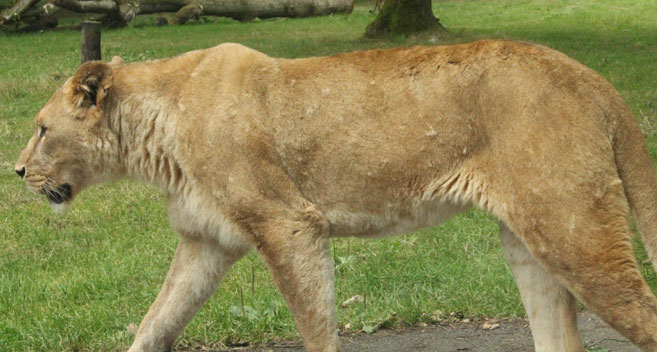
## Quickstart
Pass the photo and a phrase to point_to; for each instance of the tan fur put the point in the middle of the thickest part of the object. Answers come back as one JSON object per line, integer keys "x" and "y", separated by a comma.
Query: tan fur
{"x": 279, "y": 155}
{"x": 550, "y": 307}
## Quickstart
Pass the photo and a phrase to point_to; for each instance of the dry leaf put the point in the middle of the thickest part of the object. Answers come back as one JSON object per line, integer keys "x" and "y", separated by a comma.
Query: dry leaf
{"x": 352, "y": 300}
{"x": 490, "y": 326}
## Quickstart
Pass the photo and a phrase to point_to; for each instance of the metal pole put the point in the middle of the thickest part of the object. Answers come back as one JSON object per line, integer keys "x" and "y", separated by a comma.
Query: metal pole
{"x": 90, "y": 49}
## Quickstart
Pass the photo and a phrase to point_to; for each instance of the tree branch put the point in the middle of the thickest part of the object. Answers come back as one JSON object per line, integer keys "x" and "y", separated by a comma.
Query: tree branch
{"x": 188, "y": 12}
{"x": 102, "y": 6}
{"x": 47, "y": 9}
{"x": 16, "y": 10}
{"x": 240, "y": 9}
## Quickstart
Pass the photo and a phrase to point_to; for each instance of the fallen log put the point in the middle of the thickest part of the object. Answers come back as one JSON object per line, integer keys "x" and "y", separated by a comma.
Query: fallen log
{"x": 189, "y": 9}
{"x": 122, "y": 12}
{"x": 16, "y": 10}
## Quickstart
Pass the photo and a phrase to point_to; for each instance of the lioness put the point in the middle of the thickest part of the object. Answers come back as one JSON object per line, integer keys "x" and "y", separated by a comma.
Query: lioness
{"x": 280, "y": 155}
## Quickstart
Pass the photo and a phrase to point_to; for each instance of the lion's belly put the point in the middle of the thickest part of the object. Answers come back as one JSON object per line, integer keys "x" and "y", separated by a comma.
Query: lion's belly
{"x": 391, "y": 220}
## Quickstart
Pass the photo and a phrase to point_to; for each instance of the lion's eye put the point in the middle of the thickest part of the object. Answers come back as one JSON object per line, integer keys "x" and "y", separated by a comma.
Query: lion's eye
{"x": 42, "y": 132}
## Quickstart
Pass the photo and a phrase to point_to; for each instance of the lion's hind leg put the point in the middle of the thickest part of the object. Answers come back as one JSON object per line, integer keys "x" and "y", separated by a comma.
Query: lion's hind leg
{"x": 551, "y": 307}
{"x": 582, "y": 238}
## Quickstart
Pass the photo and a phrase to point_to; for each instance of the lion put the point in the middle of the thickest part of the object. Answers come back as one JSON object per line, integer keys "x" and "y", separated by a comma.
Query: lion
{"x": 280, "y": 155}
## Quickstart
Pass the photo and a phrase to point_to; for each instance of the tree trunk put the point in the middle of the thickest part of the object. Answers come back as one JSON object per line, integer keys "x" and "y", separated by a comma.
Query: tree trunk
{"x": 403, "y": 17}
{"x": 90, "y": 47}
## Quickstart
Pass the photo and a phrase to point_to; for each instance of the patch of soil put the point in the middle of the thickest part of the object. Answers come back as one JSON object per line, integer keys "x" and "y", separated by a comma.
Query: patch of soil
{"x": 512, "y": 335}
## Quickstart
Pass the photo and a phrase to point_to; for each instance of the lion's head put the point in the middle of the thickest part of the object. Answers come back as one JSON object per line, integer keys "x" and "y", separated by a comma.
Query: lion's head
{"x": 73, "y": 142}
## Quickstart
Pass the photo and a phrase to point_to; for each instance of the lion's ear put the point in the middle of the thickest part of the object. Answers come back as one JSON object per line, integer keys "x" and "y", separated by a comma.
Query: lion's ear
{"x": 116, "y": 61}
{"x": 90, "y": 84}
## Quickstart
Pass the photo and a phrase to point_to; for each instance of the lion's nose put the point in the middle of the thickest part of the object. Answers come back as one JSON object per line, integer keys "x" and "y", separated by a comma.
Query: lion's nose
{"x": 20, "y": 171}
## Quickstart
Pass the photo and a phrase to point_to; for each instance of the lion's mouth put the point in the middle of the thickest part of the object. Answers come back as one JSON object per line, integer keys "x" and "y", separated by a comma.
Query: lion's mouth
{"x": 59, "y": 194}
{"x": 56, "y": 194}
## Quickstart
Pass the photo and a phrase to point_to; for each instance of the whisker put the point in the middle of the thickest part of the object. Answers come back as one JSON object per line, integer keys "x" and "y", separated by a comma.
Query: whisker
{"x": 47, "y": 189}
{"x": 50, "y": 190}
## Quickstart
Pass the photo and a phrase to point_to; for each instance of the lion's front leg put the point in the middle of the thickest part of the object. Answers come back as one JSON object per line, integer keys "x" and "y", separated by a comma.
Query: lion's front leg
{"x": 196, "y": 269}
{"x": 298, "y": 256}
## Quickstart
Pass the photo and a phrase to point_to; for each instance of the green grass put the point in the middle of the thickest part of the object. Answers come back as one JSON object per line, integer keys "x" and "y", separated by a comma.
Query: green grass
{"x": 76, "y": 281}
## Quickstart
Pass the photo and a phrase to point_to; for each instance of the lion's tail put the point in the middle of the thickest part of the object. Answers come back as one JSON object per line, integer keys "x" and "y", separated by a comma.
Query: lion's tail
{"x": 635, "y": 170}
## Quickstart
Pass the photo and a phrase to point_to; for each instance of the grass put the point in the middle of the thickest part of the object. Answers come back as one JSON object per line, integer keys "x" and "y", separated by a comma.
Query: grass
{"x": 74, "y": 282}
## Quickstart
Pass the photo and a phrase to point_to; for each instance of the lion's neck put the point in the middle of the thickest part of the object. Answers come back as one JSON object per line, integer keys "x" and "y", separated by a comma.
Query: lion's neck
{"x": 147, "y": 139}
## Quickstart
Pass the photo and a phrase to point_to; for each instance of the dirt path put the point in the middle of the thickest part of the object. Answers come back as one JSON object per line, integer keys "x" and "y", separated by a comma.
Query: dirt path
{"x": 511, "y": 336}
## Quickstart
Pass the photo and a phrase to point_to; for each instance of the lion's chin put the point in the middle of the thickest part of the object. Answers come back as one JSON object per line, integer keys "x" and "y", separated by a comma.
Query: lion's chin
{"x": 60, "y": 197}
{"x": 60, "y": 207}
